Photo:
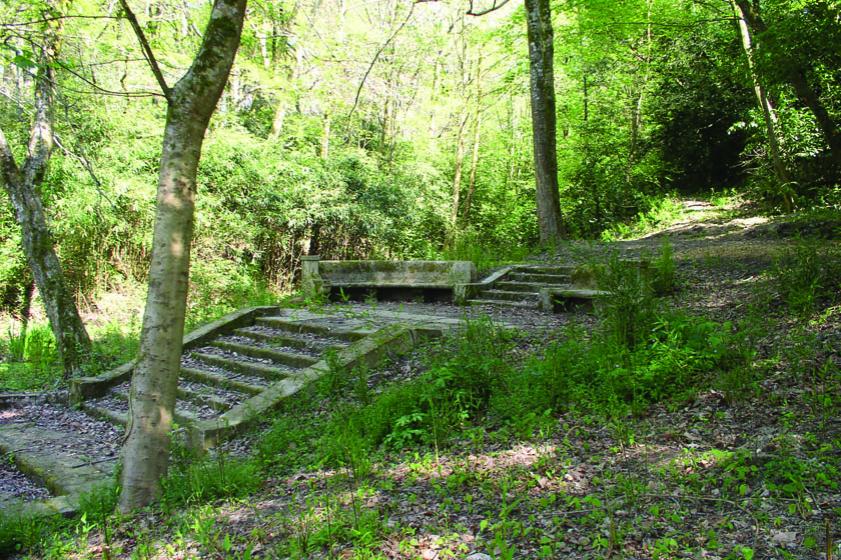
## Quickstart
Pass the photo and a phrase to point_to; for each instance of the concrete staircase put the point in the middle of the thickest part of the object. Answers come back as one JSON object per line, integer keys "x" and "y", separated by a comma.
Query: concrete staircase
{"x": 521, "y": 287}
{"x": 233, "y": 367}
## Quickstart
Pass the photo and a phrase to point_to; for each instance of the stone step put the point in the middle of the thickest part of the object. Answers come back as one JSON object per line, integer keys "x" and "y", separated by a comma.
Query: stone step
{"x": 309, "y": 341}
{"x": 117, "y": 417}
{"x": 504, "y": 303}
{"x": 289, "y": 358}
{"x": 509, "y": 295}
{"x": 558, "y": 269}
{"x": 293, "y": 326}
{"x": 48, "y": 456}
{"x": 185, "y": 412}
{"x": 237, "y": 382}
{"x": 273, "y": 373}
{"x": 537, "y": 277}
{"x": 205, "y": 395}
{"x": 573, "y": 298}
{"x": 534, "y": 287}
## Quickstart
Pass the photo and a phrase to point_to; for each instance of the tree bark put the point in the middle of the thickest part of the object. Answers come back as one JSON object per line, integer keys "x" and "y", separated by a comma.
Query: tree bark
{"x": 477, "y": 136}
{"x": 459, "y": 165}
{"x": 22, "y": 185}
{"x": 153, "y": 390}
{"x": 768, "y": 113}
{"x": 796, "y": 76}
{"x": 542, "y": 93}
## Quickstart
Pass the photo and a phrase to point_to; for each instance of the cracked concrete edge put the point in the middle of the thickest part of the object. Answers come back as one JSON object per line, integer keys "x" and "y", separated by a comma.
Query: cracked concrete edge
{"x": 389, "y": 341}
{"x": 82, "y": 388}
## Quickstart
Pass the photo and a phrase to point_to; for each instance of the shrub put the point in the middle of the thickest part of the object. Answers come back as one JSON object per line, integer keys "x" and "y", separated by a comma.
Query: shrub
{"x": 807, "y": 276}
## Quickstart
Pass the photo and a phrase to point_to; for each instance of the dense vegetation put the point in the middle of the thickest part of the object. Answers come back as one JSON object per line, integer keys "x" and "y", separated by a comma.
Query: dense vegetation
{"x": 345, "y": 128}
{"x": 401, "y": 129}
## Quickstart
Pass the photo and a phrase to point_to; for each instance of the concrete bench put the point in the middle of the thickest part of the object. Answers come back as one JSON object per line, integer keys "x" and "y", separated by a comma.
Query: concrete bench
{"x": 352, "y": 278}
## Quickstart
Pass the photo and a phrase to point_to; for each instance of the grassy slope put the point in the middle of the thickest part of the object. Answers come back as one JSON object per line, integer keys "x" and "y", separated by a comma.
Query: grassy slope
{"x": 718, "y": 446}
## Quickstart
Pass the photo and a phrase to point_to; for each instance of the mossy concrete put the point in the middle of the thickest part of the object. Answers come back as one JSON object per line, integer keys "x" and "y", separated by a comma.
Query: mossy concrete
{"x": 37, "y": 453}
{"x": 389, "y": 341}
{"x": 82, "y": 388}
{"x": 320, "y": 277}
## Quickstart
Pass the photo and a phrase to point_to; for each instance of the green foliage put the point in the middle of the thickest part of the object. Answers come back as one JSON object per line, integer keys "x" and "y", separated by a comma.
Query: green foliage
{"x": 31, "y": 359}
{"x": 660, "y": 213}
{"x": 664, "y": 269}
{"x": 628, "y": 307}
{"x": 203, "y": 480}
{"x": 21, "y": 531}
{"x": 807, "y": 275}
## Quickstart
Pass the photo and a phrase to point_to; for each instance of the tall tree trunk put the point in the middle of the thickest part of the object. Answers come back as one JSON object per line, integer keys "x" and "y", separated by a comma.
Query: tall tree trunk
{"x": 797, "y": 78}
{"x": 153, "y": 389}
{"x": 22, "y": 185}
{"x": 477, "y": 136}
{"x": 542, "y": 92}
{"x": 637, "y": 102}
{"x": 769, "y": 115}
{"x": 457, "y": 177}
{"x": 325, "y": 137}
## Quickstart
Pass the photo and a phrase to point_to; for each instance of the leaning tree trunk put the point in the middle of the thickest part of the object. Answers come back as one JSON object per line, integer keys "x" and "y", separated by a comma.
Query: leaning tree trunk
{"x": 796, "y": 75}
{"x": 22, "y": 185}
{"x": 768, "y": 113}
{"x": 153, "y": 389}
{"x": 542, "y": 86}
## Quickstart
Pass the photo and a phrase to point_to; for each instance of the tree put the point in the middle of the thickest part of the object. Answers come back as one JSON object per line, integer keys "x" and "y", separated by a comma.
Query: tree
{"x": 23, "y": 183}
{"x": 796, "y": 74}
{"x": 190, "y": 104}
{"x": 542, "y": 93}
{"x": 769, "y": 114}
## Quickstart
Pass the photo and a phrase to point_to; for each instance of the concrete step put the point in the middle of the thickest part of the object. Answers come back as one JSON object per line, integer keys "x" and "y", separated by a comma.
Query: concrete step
{"x": 537, "y": 277}
{"x": 287, "y": 339}
{"x": 206, "y": 395}
{"x": 49, "y": 456}
{"x": 558, "y": 269}
{"x": 289, "y": 358}
{"x": 503, "y": 303}
{"x": 323, "y": 329}
{"x": 97, "y": 410}
{"x": 573, "y": 298}
{"x": 237, "y": 382}
{"x": 509, "y": 295}
{"x": 534, "y": 287}
{"x": 185, "y": 411}
{"x": 271, "y": 372}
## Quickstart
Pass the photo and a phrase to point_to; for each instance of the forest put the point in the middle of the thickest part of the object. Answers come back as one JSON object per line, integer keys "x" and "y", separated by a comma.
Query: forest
{"x": 671, "y": 168}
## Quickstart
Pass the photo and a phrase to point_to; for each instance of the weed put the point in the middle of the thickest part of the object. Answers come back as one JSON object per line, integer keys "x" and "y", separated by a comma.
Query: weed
{"x": 807, "y": 276}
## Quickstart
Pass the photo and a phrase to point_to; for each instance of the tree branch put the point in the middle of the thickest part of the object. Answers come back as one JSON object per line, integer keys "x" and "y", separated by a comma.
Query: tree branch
{"x": 377, "y": 56}
{"x": 147, "y": 49}
{"x": 496, "y": 5}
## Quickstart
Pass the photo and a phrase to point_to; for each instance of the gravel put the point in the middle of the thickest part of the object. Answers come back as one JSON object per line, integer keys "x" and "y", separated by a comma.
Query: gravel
{"x": 14, "y": 485}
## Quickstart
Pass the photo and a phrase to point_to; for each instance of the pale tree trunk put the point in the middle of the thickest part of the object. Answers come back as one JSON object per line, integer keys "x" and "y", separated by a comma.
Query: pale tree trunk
{"x": 153, "y": 388}
{"x": 797, "y": 78}
{"x": 637, "y": 103}
{"x": 22, "y": 185}
{"x": 477, "y": 136}
{"x": 769, "y": 115}
{"x": 459, "y": 165}
{"x": 325, "y": 137}
{"x": 542, "y": 93}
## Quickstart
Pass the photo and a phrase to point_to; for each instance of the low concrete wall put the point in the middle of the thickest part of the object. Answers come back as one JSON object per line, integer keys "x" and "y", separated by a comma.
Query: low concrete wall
{"x": 319, "y": 277}
{"x": 82, "y": 388}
